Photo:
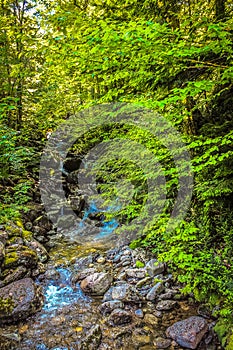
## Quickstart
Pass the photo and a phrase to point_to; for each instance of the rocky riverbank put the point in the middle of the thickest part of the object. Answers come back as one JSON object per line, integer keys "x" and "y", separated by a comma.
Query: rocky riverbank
{"x": 95, "y": 299}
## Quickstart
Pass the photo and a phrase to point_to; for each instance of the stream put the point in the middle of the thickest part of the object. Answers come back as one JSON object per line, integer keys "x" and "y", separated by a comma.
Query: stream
{"x": 73, "y": 320}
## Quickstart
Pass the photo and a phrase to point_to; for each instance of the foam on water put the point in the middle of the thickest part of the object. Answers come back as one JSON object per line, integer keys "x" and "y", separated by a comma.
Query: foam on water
{"x": 59, "y": 293}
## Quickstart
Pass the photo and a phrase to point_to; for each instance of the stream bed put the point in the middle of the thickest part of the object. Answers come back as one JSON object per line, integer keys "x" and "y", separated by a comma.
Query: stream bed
{"x": 97, "y": 296}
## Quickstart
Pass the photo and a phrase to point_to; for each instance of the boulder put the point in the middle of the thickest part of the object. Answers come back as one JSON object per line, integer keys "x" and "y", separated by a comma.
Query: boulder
{"x": 97, "y": 283}
{"x": 189, "y": 332}
{"x": 18, "y": 300}
{"x": 79, "y": 276}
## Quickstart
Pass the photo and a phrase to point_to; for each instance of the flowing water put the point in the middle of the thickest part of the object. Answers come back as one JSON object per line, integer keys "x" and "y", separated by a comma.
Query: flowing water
{"x": 66, "y": 309}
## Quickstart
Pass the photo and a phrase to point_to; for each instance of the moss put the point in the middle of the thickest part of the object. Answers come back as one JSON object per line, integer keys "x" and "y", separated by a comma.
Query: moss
{"x": 230, "y": 342}
{"x": 26, "y": 235}
{"x": 10, "y": 259}
{"x": 13, "y": 230}
{"x": 223, "y": 330}
{"x": 6, "y": 305}
{"x": 139, "y": 264}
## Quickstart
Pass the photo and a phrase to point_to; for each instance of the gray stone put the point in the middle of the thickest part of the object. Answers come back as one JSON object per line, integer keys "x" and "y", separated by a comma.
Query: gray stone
{"x": 189, "y": 332}
{"x": 123, "y": 292}
{"x": 109, "y": 306}
{"x": 82, "y": 274}
{"x": 97, "y": 283}
{"x": 136, "y": 273}
{"x": 65, "y": 221}
{"x": 154, "y": 267}
{"x": 119, "y": 317}
{"x": 166, "y": 305}
{"x": 155, "y": 291}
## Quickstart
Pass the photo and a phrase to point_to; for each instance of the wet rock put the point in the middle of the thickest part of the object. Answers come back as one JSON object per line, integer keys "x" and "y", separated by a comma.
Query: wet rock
{"x": 92, "y": 340}
{"x": 97, "y": 283}
{"x": 123, "y": 292}
{"x": 38, "y": 249}
{"x": 189, "y": 332}
{"x": 65, "y": 221}
{"x": 119, "y": 317}
{"x": 82, "y": 274}
{"x": 51, "y": 274}
{"x": 166, "y": 305}
{"x": 22, "y": 298}
{"x": 155, "y": 291}
{"x": 140, "y": 337}
{"x": 162, "y": 343}
{"x": 109, "y": 306}
{"x": 204, "y": 311}
{"x": 139, "y": 313}
{"x": 151, "y": 319}
{"x": 154, "y": 267}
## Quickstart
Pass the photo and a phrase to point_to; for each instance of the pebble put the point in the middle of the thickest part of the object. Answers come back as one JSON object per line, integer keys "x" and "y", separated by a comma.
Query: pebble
{"x": 139, "y": 313}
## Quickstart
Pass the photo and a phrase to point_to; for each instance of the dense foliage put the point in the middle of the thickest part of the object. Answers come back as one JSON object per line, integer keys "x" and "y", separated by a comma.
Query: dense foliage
{"x": 174, "y": 57}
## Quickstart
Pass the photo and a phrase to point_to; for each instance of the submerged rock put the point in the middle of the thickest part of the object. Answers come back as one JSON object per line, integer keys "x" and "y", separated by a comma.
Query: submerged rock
{"x": 92, "y": 339}
{"x": 97, "y": 283}
{"x": 189, "y": 332}
{"x": 18, "y": 300}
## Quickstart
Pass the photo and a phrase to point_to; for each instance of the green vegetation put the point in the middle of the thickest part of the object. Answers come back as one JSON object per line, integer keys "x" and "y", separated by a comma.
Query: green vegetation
{"x": 6, "y": 306}
{"x": 175, "y": 57}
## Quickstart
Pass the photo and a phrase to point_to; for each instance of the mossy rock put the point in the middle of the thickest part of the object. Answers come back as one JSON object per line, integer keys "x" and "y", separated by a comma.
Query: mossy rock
{"x": 13, "y": 230}
{"x": 22, "y": 256}
{"x": 18, "y": 230}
